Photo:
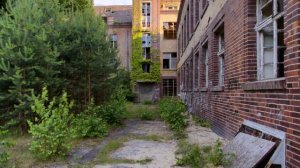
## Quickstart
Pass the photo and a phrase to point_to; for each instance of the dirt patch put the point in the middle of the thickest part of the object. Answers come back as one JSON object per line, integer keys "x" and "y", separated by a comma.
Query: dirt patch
{"x": 160, "y": 154}
{"x": 202, "y": 136}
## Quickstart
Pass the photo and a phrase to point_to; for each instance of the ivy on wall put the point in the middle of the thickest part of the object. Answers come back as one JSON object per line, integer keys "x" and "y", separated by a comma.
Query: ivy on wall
{"x": 137, "y": 59}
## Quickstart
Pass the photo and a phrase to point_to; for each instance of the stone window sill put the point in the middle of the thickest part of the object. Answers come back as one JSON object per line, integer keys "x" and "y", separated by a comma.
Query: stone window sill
{"x": 274, "y": 84}
{"x": 217, "y": 89}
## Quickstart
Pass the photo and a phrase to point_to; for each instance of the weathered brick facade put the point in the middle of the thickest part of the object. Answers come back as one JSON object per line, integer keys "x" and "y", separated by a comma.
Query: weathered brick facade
{"x": 274, "y": 102}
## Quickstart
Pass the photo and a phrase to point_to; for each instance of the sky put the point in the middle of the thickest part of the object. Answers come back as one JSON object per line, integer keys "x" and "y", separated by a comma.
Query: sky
{"x": 112, "y": 2}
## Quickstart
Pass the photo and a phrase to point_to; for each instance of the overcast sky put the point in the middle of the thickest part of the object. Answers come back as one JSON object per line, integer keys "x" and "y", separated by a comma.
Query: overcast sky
{"x": 112, "y": 2}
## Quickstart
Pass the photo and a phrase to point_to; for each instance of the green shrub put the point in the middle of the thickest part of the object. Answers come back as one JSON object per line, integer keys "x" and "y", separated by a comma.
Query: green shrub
{"x": 172, "y": 111}
{"x": 194, "y": 156}
{"x": 147, "y": 102}
{"x": 88, "y": 124}
{"x": 113, "y": 111}
{"x": 50, "y": 130}
{"x": 202, "y": 122}
{"x": 4, "y": 156}
{"x": 147, "y": 114}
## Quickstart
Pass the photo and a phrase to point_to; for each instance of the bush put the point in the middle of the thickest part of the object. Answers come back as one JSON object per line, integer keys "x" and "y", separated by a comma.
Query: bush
{"x": 4, "y": 156}
{"x": 194, "y": 156}
{"x": 146, "y": 114}
{"x": 50, "y": 131}
{"x": 172, "y": 111}
{"x": 202, "y": 122}
{"x": 113, "y": 111}
{"x": 87, "y": 124}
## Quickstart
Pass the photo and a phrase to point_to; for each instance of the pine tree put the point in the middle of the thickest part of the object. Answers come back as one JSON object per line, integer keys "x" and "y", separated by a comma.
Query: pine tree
{"x": 28, "y": 52}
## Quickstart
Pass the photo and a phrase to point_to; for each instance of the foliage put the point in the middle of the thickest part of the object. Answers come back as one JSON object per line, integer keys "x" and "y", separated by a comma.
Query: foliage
{"x": 202, "y": 122}
{"x": 113, "y": 110}
{"x": 4, "y": 156}
{"x": 88, "y": 124}
{"x": 137, "y": 60}
{"x": 172, "y": 111}
{"x": 50, "y": 130}
{"x": 147, "y": 102}
{"x": 54, "y": 47}
{"x": 194, "y": 156}
{"x": 76, "y": 4}
{"x": 28, "y": 55}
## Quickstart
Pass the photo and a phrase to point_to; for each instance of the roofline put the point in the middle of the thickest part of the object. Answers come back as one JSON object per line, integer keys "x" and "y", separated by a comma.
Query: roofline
{"x": 110, "y": 5}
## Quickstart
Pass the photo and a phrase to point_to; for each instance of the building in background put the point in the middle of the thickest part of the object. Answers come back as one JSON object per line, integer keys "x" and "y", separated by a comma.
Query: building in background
{"x": 154, "y": 48}
{"x": 239, "y": 68}
{"x": 119, "y": 24}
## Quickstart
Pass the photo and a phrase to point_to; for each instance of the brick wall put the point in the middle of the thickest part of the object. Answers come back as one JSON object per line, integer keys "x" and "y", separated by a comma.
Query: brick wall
{"x": 274, "y": 103}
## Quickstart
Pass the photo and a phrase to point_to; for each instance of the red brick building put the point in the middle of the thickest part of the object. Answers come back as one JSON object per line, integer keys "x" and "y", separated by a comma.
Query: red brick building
{"x": 239, "y": 64}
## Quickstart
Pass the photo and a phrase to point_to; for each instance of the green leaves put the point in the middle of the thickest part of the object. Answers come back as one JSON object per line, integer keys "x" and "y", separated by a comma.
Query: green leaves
{"x": 172, "y": 111}
{"x": 50, "y": 129}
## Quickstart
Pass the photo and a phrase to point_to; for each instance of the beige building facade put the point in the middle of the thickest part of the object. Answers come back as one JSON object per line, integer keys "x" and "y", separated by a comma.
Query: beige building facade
{"x": 119, "y": 24}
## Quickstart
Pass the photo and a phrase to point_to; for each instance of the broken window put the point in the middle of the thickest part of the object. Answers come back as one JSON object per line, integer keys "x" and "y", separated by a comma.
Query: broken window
{"x": 146, "y": 67}
{"x": 146, "y": 45}
{"x": 114, "y": 40}
{"x": 270, "y": 36}
{"x": 169, "y": 87}
{"x": 221, "y": 52}
{"x": 147, "y": 53}
{"x": 146, "y": 40}
{"x": 146, "y": 14}
{"x": 169, "y": 61}
{"x": 169, "y": 30}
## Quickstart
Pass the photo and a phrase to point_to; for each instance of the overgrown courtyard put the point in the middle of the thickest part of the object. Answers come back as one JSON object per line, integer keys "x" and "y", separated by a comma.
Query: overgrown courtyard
{"x": 65, "y": 101}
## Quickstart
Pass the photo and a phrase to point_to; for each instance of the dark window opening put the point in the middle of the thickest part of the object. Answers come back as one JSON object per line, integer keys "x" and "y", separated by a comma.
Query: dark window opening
{"x": 147, "y": 53}
{"x": 169, "y": 87}
{"x": 146, "y": 67}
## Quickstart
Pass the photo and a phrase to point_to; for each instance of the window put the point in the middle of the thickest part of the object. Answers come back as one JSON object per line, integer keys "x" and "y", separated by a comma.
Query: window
{"x": 108, "y": 10}
{"x": 221, "y": 52}
{"x": 169, "y": 30}
{"x": 114, "y": 40}
{"x": 197, "y": 10}
{"x": 146, "y": 67}
{"x": 169, "y": 7}
{"x": 146, "y": 40}
{"x": 169, "y": 61}
{"x": 196, "y": 71}
{"x": 146, "y": 15}
{"x": 270, "y": 39}
{"x": 147, "y": 53}
{"x": 146, "y": 44}
{"x": 205, "y": 64}
{"x": 169, "y": 87}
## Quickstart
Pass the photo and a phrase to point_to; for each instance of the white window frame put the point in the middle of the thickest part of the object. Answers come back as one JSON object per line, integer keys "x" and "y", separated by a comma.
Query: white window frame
{"x": 145, "y": 16}
{"x": 172, "y": 64}
{"x": 260, "y": 25}
{"x": 206, "y": 58}
{"x": 221, "y": 55}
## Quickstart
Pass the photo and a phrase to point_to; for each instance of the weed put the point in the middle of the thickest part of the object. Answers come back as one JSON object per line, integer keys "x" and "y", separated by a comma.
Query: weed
{"x": 194, "y": 156}
{"x": 202, "y": 122}
{"x": 147, "y": 102}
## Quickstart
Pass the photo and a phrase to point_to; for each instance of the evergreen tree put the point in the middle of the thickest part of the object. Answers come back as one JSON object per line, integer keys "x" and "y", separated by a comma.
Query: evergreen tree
{"x": 28, "y": 53}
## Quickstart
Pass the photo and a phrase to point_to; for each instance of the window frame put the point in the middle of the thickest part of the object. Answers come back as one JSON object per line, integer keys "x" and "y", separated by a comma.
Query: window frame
{"x": 147, "y": 22}
{"x": 114, "y": 40}
{"x": 221, "y": 57}
{"x": 260, "y": 25}
{"x": 168, "y": 31}
{"x": 169, "y": 56}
